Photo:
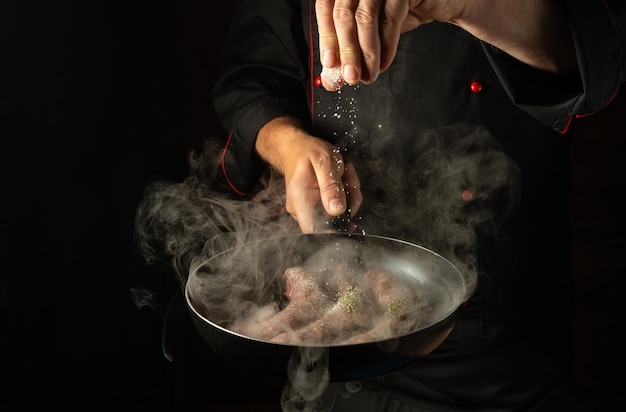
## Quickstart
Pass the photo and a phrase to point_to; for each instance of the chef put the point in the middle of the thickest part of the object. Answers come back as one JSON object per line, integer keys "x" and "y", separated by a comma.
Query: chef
{"x": 351, "y": 100}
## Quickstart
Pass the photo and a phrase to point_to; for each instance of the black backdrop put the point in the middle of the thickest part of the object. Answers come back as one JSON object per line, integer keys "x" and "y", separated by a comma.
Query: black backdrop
{"x": 97, "y": 99}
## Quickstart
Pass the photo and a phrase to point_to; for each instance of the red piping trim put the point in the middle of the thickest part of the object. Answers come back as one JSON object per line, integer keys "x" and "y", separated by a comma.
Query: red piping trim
{"x": 608, "y": 10}
{"x": 580, "y": 116}
{"x": 567, "y": 125}
{"x": 311, "y": 61}
{"x": 232, "y": 186}
{"x": 583, "y": 115}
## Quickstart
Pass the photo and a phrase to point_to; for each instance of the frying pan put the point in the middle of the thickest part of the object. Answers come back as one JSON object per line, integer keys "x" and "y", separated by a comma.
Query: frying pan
{"x": 228, "y": 284}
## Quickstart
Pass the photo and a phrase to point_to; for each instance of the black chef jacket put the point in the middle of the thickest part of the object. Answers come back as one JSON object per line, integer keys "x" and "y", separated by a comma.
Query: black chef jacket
{"x": 510, "y": 349}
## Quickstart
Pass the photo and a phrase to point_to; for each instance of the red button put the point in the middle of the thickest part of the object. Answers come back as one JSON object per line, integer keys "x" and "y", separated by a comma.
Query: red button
{"x": 318, "y": 81}
{"x": 467, "y": 195}
{"x": 476, "y": 87}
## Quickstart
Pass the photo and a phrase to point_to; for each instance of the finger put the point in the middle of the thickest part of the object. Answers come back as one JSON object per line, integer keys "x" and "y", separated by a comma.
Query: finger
{"x": 329, "y": 171}
{"x": 347, "y": 38}
{"x": 303, "y": 208}
{"x": 392, "y": 18}
{"x": 329, "y": 46}
{"x": 331, "y": 78}
{"x": 368, "y": 33}
{"x": 302, "y": 195}
{"x": 352, "y": 186}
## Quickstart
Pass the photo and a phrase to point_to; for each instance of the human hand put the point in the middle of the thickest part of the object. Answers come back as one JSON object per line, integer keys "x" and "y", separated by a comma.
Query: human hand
{"x": 317, "y": 173}
{"x": 314, "y": 172}
{"x": 362, "y": 36}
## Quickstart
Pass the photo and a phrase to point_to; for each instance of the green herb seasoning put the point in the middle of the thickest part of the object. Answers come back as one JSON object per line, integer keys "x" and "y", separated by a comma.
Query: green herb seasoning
{"x": 397, "y": 308}
{"x": 351, "y": 299}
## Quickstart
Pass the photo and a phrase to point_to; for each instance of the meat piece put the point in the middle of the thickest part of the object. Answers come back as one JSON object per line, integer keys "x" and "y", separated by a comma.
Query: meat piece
{"x": 307, "y": 303}
{"x": 396, "y": 300}
{"x": 380, "y": 331}
{"x": 343, "y": 277}
{"x": 338, "y": 322}
{"x": 394, "y": 309}
{"x": 252, "y": 326}
{"x": 351, "y": 305}
{"x": 348, "y": 315}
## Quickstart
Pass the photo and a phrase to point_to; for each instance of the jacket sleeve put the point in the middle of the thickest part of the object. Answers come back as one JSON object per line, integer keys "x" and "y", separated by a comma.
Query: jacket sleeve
{"x": 263, "y": 77}
{"x": 599, "y": 31}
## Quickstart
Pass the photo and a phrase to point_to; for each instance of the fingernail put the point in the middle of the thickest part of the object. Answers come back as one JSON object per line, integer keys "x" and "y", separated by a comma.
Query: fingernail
{"x": 335, "y": 204}
{"x": 350, "y": 74}
{"x": 375, "y": 77}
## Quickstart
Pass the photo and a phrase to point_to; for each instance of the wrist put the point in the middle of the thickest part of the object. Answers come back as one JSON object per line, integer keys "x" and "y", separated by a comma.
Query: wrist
{"x": 535, "y": 32}
{"x": 275, "y": 138}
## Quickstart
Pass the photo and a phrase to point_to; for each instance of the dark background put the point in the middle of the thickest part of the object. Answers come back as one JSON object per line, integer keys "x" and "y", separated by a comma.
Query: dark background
{"x": 97, "y": 99}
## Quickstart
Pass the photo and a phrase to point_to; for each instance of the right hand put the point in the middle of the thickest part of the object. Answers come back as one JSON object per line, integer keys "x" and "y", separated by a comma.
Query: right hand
{"x": 314, "y": 172}
{"x": 362, "y": 35}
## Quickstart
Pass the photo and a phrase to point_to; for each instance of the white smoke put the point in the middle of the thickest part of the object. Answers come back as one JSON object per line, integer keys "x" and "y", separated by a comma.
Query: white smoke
{"x": 442, "y": 189}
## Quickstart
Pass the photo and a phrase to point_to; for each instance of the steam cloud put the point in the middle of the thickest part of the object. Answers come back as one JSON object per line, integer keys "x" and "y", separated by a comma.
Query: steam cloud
{"x": 308, "y": 379}
{"x": 448, "y": 186}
